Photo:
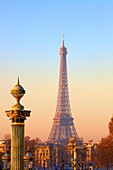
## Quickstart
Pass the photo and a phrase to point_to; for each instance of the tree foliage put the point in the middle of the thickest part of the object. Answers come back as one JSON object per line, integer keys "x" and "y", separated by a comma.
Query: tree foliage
{"x": 111, "y": 127}
{"x": 31, "y": 143}
{"x": 104, "y": 150}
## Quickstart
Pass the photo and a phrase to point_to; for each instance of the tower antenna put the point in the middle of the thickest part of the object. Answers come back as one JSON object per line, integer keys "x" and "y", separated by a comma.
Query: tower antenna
{"x": 63, "y": 40}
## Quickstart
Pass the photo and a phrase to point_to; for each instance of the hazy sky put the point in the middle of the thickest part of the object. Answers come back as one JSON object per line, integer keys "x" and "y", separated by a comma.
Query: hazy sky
{"x": 30, "y": 38}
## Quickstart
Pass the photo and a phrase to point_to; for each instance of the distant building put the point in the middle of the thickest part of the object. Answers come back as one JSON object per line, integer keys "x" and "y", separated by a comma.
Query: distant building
{"x": 64, "y": 156}
{"x": 51, "y": 155}
{"x": 3, "y": 146}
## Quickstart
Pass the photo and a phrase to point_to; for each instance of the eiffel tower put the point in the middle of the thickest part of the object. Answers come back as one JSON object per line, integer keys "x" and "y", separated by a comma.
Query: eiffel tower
{"x": 63, "y": 127}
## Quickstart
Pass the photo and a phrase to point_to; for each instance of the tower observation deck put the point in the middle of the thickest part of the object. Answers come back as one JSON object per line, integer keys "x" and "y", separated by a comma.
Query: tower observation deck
{"x": 63, "y": 127}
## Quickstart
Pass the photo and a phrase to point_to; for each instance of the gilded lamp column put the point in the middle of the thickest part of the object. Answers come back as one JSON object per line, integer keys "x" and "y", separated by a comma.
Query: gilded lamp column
{"x": 17, "y": 116}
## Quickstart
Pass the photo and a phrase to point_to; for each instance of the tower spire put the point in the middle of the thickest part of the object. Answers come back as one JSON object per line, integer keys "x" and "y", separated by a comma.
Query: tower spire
{"x": 63, "y": 127}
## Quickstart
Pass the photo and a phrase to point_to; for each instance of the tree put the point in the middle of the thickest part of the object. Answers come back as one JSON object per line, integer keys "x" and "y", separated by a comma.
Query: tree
{"x": 7, "y": 138}
{"x": 31, "y": 143}
{"x": 104, "y": 150}
{"x": 111, "y": 127}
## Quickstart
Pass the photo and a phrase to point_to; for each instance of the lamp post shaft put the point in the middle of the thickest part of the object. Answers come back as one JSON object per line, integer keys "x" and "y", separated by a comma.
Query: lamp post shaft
{"x": 17, "y": 145}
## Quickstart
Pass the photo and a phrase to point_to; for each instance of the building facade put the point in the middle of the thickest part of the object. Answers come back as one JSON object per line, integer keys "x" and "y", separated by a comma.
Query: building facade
{"x": 51, "y": 156}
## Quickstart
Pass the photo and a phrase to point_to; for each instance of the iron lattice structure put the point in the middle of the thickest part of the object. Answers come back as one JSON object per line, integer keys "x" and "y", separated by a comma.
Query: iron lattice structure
{"x": 63, "y": 127}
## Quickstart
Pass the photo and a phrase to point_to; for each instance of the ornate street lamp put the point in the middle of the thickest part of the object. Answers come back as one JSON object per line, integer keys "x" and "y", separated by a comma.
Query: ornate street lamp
{"x": 6, "y": 160}
{"x": 17, "y": 116}
{"x": 28, "y": 159}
